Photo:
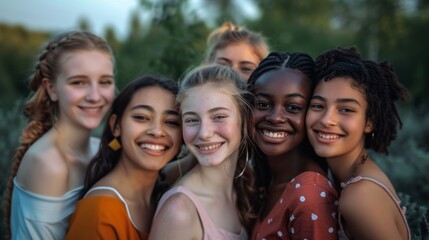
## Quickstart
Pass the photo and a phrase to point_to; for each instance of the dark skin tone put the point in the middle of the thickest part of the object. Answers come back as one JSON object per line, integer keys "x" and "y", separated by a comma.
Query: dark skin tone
{"x": 282, "y": 100}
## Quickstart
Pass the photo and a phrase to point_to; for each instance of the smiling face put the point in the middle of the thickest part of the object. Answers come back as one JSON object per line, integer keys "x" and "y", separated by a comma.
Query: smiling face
{"x": 239, "y": 56}
{"x": 282, "y": 99}
{"x": 336, "y": 119}
{"x": 84, "y": 87}
{"x": 150, "y": 129}
{"x": 211, "y": 124}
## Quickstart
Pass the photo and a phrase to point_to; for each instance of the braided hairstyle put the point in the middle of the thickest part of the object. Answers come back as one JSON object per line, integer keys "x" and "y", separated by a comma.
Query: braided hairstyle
{"x": 378, "y": 83}
{"x": 228, "y": 34}
{"x": 224, "y": 78}
{"x": 40, "y": 110}
{"x": 277, "y": 61}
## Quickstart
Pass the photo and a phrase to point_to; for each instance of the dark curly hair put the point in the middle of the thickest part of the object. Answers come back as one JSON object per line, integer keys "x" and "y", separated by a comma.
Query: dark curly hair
{"x": 379, "y": 84}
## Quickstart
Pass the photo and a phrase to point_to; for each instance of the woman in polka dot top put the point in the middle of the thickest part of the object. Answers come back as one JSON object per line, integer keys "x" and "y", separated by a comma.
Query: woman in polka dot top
{"x": 297, "y": 199}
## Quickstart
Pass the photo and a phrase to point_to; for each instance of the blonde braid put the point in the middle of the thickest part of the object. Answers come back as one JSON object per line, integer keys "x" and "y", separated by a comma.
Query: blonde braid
{"x": 39, "y": 109}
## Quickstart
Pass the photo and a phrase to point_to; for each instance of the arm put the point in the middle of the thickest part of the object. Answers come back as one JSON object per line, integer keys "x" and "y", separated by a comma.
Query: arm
{"x": 369, "y": 212}
{"x": 177, "y": 218}
{"x": 314, "y": 213}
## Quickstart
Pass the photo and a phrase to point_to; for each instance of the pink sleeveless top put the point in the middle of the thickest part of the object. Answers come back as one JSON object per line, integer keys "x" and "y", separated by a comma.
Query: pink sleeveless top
{"x": 342, "y": 234}
{"x": 211, "y": 231}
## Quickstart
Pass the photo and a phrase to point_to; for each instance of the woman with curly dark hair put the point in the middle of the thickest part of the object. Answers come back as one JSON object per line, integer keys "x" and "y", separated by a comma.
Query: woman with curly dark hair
{"x": 352, "y": 110}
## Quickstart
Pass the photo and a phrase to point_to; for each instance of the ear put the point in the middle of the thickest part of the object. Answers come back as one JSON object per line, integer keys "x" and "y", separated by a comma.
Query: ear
{"x": 114, "y": 127}
{"x": 49, "y": 86}
{"x": 369, "y": 126}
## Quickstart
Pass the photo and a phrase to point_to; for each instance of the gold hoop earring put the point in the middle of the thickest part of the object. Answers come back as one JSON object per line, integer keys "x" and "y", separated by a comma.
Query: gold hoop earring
{"x": 114, "y": 144}
{"x": 245, "y": 166}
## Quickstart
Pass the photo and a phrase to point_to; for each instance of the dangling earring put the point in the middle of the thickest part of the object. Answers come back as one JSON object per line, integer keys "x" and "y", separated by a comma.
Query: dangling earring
{"x": 372, "y": 135}
{"x": 245, "y": 166}
{"x": 114, "y": 144}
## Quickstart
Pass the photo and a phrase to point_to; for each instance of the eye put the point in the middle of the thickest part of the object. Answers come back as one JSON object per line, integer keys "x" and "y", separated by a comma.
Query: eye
{"x": 107, "y": 82}
{"x": 247, "y": 70}
{"x": 174, "y": 123}
{"x": 78, "y": 82}
{"x": 191, "y": 120}
{"x": 293, "y": 108}
{"x": 223, "y": 62}
{"x": 140, "y": 117}
{"x": 346, "y": 110}
{"x": 316, "y": 107}
{"x": 219, "y": 117}
{"x": 263, "y": 106}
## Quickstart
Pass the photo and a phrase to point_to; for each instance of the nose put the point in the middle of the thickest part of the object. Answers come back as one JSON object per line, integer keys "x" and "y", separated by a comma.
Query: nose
{"x": 276, "y": 115}
{"x": 156, "y": 130}
{"x": 329, "y": 118}
{"x": 206, "y": 130}
{"x": 93, "y": 93}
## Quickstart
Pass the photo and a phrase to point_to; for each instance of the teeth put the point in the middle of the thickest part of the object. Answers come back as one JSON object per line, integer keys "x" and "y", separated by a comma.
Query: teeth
{"x": 328, "y": 136}
{"x": 208, "y": 148}
{"x": 274, "y": 134}
{"x": 92, "y": 109}
{"x": 153, "y": 147}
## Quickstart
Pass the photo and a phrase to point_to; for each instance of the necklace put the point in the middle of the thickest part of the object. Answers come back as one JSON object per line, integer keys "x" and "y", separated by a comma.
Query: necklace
{"x": 362, "y": 161}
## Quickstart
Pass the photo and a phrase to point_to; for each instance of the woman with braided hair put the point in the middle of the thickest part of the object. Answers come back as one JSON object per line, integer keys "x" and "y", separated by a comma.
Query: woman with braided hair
{"x": 72, "y": 89}
{"x": 237, "y": 47}
{"x": 297, "y": 199}
{"x": 353, "y": 109}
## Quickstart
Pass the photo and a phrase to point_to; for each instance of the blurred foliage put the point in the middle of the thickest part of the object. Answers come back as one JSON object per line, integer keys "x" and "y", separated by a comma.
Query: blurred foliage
{"x": 172, "y": 38}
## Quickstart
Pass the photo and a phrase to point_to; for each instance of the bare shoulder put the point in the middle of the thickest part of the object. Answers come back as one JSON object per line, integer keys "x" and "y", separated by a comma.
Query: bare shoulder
{"x": 43, "y": 169}
{"x": 361, "y": 195}
{"x": 177, "y": 213}
{"x": 179, "y": 207}
{"x": 368, "y": 210}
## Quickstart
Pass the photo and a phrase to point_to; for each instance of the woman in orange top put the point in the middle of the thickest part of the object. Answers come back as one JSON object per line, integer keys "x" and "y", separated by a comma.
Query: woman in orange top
{"x": 143, "y": 134}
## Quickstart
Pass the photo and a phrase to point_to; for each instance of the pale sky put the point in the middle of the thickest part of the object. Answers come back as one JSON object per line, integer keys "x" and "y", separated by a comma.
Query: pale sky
{"x": 62, "y": 15}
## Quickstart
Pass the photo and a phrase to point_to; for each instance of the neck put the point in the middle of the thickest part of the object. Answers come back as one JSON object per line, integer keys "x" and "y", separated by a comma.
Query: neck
{"x": 287, "y": 166}
{"x": 76, "y": 142}
{"x": 344, "y": 167}
{"x": 215, "y": 180}
{"x": 134, "y": 183}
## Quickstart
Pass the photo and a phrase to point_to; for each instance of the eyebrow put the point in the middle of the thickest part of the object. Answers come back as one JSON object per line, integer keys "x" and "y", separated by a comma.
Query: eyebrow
{"x": 84, "y": 76}
{"x": 291, "y": 95}
{"x": 241, "y": 62}
{"x": 339, "y": 100}
{"x": 151, "y": 109}
{"x": 210, "y": 111}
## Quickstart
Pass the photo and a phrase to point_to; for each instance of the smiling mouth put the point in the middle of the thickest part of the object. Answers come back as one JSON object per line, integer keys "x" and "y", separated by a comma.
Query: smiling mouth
{"x": 91, "y": 109}
{"x": 209, "y": 148}
{"x": 271, "y": 134}
{"x": 153, "y": 147}
{"x": 328, "y": 136}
